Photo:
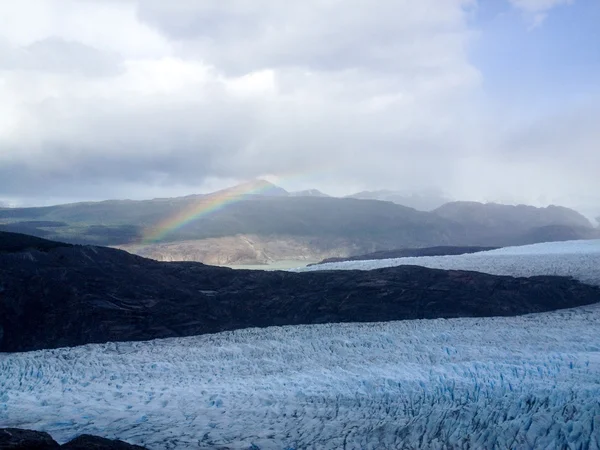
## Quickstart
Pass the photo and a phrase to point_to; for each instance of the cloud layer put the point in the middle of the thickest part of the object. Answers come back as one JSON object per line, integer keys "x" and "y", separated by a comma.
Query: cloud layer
{"x": 126, "y": 98}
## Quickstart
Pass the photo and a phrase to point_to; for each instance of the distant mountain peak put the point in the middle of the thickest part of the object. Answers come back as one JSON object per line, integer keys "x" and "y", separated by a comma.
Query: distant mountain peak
{"x": 308, "y": 193}
{"x": 254, "y": 187}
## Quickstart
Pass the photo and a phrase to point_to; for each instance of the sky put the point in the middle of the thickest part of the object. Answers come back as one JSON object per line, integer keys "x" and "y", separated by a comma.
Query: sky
{"x": 489, "y": 100}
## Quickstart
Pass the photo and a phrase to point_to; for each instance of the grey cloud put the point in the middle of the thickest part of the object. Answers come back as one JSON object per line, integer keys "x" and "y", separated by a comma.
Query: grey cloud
{"x": 568, "y": 139}
{"x": 241, "y": 36}
{"x": 59, "y": 56}
{"x": 92, "y": 143}
{"x": 182, "y": 139}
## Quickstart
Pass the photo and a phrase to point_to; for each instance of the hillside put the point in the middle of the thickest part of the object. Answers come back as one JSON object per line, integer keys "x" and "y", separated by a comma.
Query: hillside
{"x": 521, "y": 217}
{"x": 420, "y": 200}
{"x": 68, "y": 296}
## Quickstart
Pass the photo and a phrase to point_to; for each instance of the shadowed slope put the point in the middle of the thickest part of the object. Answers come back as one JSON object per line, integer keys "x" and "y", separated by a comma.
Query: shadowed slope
{"x": 77, "y": 295}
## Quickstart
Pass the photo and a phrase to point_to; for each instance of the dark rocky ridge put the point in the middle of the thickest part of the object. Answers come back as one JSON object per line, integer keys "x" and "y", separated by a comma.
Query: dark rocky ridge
{"x": 69, "y": 296}
{"x": 18, "y": 439}
{"x": 409, "y": 252}
{"x": 16, "y": 242}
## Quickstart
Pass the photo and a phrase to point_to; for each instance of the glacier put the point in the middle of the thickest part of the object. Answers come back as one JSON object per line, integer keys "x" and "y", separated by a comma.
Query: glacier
{"x": 518, "y": 382}
{"x": 505, "y": 382}
{"x": 577, "y": 259}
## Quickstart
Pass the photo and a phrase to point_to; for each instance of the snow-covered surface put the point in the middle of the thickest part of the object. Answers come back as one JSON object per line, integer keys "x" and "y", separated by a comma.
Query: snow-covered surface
{"x": 520, "y": 383}
{"x": 579, "y": 259}
{"x": 523, "y": 382}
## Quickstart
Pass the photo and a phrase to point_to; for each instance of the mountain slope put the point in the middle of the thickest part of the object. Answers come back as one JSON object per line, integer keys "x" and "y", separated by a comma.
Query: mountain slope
{"x": 422, "y": 201}
{"x": 519, "y": 217}
{"x": 76, "y": 295}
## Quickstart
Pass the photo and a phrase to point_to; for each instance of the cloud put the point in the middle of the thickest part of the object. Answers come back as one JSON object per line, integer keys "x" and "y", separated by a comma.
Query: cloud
{"x": 144, "y": 98}
{"x": 56, "y": 55}
{"x": 296, "y": 91}
{"x": 248, "y": 35}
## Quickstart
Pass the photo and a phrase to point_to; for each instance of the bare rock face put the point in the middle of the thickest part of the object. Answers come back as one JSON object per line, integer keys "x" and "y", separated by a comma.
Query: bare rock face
{"x": 67, "y": 296}
{"x": 17, "y": 439}
{"x": 242, "y": 249}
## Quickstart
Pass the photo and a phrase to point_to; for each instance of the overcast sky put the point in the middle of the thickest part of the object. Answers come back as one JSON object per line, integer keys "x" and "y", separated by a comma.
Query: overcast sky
{"x": 496, "y": 100}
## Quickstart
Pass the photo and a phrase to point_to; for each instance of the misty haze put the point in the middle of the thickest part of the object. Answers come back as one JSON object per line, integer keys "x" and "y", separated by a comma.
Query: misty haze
{"x": 299, "y": 225}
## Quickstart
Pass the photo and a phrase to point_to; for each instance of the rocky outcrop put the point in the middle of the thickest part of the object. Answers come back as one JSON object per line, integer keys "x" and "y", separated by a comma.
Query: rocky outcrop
{"x": 18, "y": 439}
{"x": 16, "y": 242}
{"x": 409, "y": 252}
{"x": 70, "y": 296}
{"x": 87, "y": 442}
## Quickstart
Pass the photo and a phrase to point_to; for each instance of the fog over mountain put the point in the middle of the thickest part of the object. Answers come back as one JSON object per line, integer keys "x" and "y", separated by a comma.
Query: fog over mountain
{"x": 483, "y": 101}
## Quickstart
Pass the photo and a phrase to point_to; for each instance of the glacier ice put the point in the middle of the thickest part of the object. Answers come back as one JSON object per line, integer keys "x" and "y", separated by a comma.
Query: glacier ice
{"x": 577, "y": 259}
{"x": 522, "y": 382}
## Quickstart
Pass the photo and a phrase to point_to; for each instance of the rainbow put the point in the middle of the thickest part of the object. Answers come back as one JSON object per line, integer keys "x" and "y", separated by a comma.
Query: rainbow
{"x": 204, "y": 206}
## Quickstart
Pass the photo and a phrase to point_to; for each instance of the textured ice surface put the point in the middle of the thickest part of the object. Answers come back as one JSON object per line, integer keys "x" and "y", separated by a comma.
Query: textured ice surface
{"x": 522, "y": 382}
{"x": 579, "y": 259}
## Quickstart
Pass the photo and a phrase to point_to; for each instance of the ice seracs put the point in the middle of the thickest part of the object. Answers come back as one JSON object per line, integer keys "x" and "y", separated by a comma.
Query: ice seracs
{"x": 523, "y": 382}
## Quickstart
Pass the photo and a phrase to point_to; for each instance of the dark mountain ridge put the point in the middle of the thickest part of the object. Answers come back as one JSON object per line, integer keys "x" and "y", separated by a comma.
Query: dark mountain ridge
{"x": 410, "y": 252}
{"x": 72, "y": 295}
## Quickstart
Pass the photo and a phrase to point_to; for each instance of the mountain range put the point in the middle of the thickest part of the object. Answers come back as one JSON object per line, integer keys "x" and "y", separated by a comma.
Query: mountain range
{"x": 259, "y": 222}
